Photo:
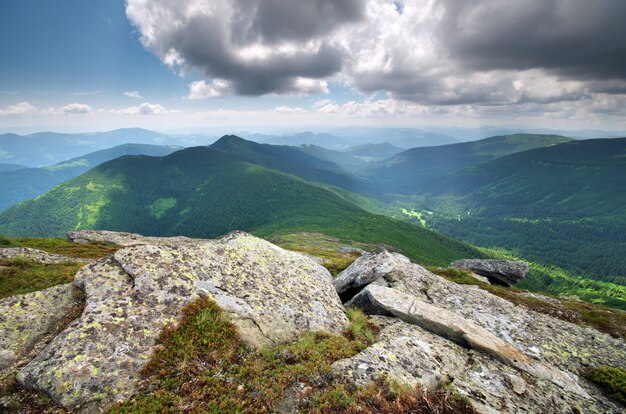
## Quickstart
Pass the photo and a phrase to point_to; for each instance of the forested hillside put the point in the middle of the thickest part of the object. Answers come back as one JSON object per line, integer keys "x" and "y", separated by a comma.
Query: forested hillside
{"x": 203, "y": 192}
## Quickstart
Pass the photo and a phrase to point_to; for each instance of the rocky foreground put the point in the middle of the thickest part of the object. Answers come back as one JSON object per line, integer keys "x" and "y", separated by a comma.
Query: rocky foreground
{"x": 503, "y": 358}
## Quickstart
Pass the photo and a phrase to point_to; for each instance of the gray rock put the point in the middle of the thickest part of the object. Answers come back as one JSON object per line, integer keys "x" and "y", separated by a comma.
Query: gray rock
{"x": 27, "y": 319}
{"x": 411, "y": 355}
{"x": 37, "y": 256}
{"x": 553, "y": 341}
{"x": 271, "y": 295}
{"x": 127, "y": 239}
{"x": 449, "y": 325}
{"x": 369, "y": 268}
{"x": 501, "y": 272}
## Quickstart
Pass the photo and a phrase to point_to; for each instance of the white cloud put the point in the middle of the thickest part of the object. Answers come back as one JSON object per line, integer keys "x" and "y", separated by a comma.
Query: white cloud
{"x": 19, "y": 109}
{"x": 75, "y": 109}
{"x": 202, "y": 90}
{"x": 133, "y": 94}
{"x": 143, "y": 109}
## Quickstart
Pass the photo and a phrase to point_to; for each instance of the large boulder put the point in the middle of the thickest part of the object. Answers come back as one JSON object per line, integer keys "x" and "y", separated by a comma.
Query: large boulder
{"x": 270, "y": 294}
{"x": 500, "y": 272}
{"x": 25, "y": 320}
{"x": 412, "y": 355}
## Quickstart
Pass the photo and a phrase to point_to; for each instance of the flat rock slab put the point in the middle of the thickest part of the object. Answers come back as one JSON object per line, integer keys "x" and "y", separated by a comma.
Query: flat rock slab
{"x": 37, "y": 256}
{"x": 27, "y": 319}
{"x": 272, "y": 295}
{"x": 411, "y": 355}
{"x": 127, "y": 239}
{"x": 501, "y": 272}
{"x": 449, "y": 325}
{"x": 553, "y": 341}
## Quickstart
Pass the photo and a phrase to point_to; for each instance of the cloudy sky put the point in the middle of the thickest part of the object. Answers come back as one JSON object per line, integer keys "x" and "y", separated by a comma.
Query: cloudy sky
{"x": 103, "y": 64}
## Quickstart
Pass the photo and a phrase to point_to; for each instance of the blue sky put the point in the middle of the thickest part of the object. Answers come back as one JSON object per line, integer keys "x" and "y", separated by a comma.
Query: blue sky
{"x": 103, "y": 64}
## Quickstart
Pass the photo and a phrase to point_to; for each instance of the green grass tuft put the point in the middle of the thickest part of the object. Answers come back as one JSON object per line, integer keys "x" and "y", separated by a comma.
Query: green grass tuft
{"x": 612, "y": 380}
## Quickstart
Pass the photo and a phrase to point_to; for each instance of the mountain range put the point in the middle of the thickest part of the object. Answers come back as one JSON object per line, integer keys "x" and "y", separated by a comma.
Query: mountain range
{"x": 545, "y": 198}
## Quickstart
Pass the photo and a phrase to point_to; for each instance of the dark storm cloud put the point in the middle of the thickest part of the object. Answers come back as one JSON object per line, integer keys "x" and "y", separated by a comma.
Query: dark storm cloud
{"x": 274, "y": 21}
{"x": 581, "y": 39}
{"x": 241, "y": 41}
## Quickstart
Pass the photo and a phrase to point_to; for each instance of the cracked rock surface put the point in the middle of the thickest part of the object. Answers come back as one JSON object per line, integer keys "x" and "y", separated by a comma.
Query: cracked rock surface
{"x": 539, "y": 353}
{"x": 272, "y": 295}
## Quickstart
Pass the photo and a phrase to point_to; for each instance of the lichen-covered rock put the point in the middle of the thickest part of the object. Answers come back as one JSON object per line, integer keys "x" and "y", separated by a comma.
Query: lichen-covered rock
{"x": 553, "y": 341}
{"x": 449, "y": 325}
{"x": 501, "y": 272}
{"x": 272, "y": 295}
{"x": 37, "y": 256}
{"x": 411, "y": 355}
{"x": 27, "y": 319}
{"x": 367, "y": 269}
{"x": 127, "y": 239}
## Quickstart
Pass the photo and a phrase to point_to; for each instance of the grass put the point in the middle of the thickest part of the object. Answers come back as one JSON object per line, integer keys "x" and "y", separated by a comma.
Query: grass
{"x": 604, "y": 319}
{"x": 93, "y": 250}
{"x": 327, "y": 249}
{"x": 203, "y": 366}
{"x": 19, "y": 275}
{"x": 611, "y": 380}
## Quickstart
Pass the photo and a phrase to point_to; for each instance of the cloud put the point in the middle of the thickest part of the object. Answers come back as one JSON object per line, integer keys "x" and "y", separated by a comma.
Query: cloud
{"x": 203, "y": 90}
{"x": 19, "y": 109}
{"x": 133, "y": 94}
{"x": 428, "y": 52}
{"x": 75, "y": 109}
{"x": 143, "y": 109}
{"x": 258, "y": 46}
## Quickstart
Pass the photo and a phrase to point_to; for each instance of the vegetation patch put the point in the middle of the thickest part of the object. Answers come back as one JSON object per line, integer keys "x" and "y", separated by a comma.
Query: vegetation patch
{"x": 331, "y": 252}
{"x": 92, "y": 250}
{"x": 612, "y": 380}
{"x": 203, "y": 366}
{"x": 19, "y": 275}
{"x": 611, "y": 321}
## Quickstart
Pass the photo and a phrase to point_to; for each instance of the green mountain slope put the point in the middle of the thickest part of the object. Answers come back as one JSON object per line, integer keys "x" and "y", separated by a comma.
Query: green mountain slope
{"x": 409, "y": 171}
{"x": 204, "y": 192}
{"x": 22, "y": 184}
{"x": 563, "y": 205}
{"x": 296, "y": 161}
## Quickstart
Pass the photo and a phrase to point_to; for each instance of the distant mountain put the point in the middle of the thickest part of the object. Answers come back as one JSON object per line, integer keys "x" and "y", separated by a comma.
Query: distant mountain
{"x": 21, "y": 184}
{"x": 296, "y": 161}
{"x": 562, "y": 204}
{"x": 47, "y": 148}
{"x": 206, "y": 192}
{"x": 11, "y": 167}
{"x": 374, "y": 152}
{"x": 305, "y": 138}
{"x": 408, "y": 171}
{"x": 400, "y": 137}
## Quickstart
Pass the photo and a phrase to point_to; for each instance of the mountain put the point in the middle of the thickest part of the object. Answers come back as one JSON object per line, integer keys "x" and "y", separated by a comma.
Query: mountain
{"x": 563, "y": 205}
{"x": 374, "y": 152}
{"x": 21, "y": 184}
{"x": 408, "y": 171}
{"x": 400, "y": 137}
{"x": 296, "y": 161}
{"x": 11, "y": 167}
{"x": 47, "y": 148}
{"x": 205, "y": 192}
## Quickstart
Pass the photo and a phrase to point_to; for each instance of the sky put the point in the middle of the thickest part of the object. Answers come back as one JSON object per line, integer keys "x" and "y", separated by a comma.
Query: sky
{"x": 86, "y": 65}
